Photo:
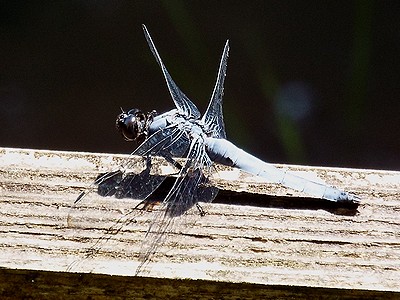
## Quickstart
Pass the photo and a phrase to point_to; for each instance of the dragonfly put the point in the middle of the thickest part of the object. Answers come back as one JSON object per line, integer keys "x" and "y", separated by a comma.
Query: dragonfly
{"x": 201, "y": 139}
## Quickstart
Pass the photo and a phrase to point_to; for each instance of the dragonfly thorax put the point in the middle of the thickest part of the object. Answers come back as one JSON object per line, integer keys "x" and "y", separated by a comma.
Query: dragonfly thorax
{"x": 134, "y": 124}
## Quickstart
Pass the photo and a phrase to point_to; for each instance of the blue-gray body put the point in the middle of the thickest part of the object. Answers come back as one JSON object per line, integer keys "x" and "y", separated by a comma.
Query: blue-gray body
{"x": 222, "y": 151}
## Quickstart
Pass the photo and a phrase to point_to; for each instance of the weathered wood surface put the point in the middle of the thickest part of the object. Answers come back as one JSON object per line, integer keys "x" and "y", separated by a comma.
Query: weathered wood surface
{"x": 279, "y": 238}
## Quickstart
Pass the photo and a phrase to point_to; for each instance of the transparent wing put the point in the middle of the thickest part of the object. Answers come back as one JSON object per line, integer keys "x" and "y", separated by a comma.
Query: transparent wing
{"x": 192, "y": 184}
{"x": 182, "y": 102}
{"x": 129, "y": 183}
{"x": 166, "y": 143}
{"x": 213, "y": 117}
{"x": 189, "y": 188}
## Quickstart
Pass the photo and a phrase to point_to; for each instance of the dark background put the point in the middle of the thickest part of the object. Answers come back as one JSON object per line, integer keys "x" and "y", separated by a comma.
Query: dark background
{"x": 308, "y": 83}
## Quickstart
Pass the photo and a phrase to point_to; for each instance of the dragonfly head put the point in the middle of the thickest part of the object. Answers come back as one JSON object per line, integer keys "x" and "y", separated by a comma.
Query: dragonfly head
{"x": 134, "y": 125}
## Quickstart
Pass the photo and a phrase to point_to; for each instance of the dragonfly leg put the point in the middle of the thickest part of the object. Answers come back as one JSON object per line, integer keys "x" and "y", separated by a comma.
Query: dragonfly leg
{"x": 201, "y": 210}
{"x": 147, "y": 205}
{"x": 172, "y": 161}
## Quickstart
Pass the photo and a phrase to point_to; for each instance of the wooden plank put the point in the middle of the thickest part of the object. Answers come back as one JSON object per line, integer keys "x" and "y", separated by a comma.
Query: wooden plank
{"x": 271, "y": 236}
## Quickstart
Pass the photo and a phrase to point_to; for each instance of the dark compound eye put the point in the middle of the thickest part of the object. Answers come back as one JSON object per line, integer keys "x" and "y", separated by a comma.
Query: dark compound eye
{"x": 133, "y": 125}
{"x": 127, "y": 125}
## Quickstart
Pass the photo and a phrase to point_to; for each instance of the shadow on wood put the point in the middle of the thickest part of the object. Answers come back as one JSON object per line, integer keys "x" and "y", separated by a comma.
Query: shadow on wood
{"x": 267, "y": 237}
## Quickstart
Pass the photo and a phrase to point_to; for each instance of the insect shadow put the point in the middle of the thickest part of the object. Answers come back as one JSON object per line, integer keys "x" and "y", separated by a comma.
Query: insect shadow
{"x": 114, "y": 186}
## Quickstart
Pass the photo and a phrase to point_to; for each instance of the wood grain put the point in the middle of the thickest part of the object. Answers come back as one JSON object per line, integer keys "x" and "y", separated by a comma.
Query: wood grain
{"x": 254, "y": 233}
